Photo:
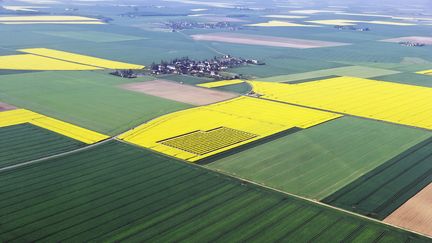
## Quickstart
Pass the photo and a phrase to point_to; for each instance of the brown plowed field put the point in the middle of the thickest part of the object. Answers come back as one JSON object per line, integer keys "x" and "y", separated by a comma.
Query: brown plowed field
{"x": 180, "y": 92}
{"x": 6, "y": 107}
{"x": 416, "y": 213}
{"x": 265, "y": 40}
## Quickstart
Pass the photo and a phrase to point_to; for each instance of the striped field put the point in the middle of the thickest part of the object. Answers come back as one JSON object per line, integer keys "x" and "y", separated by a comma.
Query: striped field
{"x": 119, "y": 193}
{"x": 26, "y": 142}
{"x": 384, "y": 189}
{"x": 319, "y": 161}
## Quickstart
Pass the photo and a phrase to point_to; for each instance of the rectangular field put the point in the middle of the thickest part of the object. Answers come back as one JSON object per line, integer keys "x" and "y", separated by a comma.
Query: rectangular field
{"x": 50, "y": 22}
{"x": 262, "y": 40}
{"x": 47, "y": 18}
{"x": 416, "y": 213}
{"x": 221, "y": 83}
{"x": 93, "y": 36}
{"x": 278, "y": 23}
{"x": 87, "y": 99}
{"x": 20, "y": 116}
{"x": 81, "y": 59}
{"x": 426, "y": 72}
{"x": 26, "y": 142}
{"x": 179, "y": 92}
{"x": 352, "y": 71}
{"x": 38, "y": 63}
{"x": 321, "y": 159}
{"x": 119, "y": 193}
{"x": 385, "y": 101}
{"x": 245, "y": 115}
{"x": 384, "y": 189}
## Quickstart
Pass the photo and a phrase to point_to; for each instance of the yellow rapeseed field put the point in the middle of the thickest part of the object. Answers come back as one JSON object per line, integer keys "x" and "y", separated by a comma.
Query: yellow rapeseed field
{"x": 33, "y": 62}
{"x": 348, "y": 22}
{"x": 426, "y": 72}
{"x": 238, "y": 121}
{"x": 276, "y": 23}
{"x": 341, "y": 22}
{"x": 20, "y": 116}
{"x": 221, "y": 83}
{"x": 391, "y": 23}
{"x": 386, "y": 101}
{"x": 38, "y": 18}
{"x": 82, "y": 59}
{"x": 282, "y": 16}
{"x": 50, "y": 22}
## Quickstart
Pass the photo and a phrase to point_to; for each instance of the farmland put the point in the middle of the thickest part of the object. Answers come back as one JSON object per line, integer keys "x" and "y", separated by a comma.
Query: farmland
{"x": 321, "y": 159}
{"x": 33, "y": 62}
{"x": 115, "y": 192}
{"x": 265, "y": 41}
{"x": 415, "y": 214}
{"x": 386, "y": 101}
{"x": 278, "y": 23}
{"x": 93, "y": 36}
{"x": 353, "y": 71}
{"x": 88, "y": 99}
{"x": 47, "y": 19}
{"x": 26, "y": 142}
{"x": 82, "y": 59}
{"x": 179, "y": 92}
{"x": 324, "y": 135}
{"x": 384, "y": 189}
{"x": 20, "y": 116}
{"x": 230, "y": 119}
{"x": 221, "y": 83}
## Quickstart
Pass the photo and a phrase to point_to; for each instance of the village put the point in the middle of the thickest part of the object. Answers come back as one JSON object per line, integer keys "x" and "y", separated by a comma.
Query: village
{"x": 211, "y": 68}
{"x": 175, "y": 26}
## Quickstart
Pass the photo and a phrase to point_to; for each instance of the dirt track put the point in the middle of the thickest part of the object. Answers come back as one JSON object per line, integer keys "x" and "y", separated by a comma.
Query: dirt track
{"x": 179, "y": 92}
{"x": 416, "y": 213}
{"x": 265, "y": 40}
{"x": 6, "y": 107}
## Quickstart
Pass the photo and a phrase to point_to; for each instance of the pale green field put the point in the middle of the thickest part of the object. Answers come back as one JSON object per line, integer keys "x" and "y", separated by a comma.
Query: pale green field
{"x": 93, "y": 36}
{"x": 320, "y": 160}
{"x": 354, "y": 71}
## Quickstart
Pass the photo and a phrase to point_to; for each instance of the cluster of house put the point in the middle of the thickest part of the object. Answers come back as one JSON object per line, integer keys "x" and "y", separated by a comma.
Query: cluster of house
{"x": 410, "y": 43}
{"x": 205, "y": 68}
{"x": 341, "y": 27}
{"x": 186, "y": 25}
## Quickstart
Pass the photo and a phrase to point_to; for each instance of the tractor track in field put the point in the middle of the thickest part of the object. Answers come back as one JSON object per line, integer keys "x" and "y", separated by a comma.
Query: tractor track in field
{"x": 11, "y": 167}
{"x": 114, "y": 138}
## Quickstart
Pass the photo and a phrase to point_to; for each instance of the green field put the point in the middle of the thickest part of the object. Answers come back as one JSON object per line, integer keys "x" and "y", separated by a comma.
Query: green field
{"x": 318, "y": 161}
{"x": 353, "y": 71}
{"x": 25, "y": 142}
{"x": 384, "y": 189}
{"x": 88, "y": 99}
{"x": 409, "y": 78}
{"x": 93, "y": 36}
{"x": 116, "y": 192}
{"x": 241, "y": 88}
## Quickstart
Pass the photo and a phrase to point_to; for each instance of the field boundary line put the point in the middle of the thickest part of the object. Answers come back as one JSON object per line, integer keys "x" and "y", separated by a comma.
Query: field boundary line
{"x": 11, "y": 167}
{"x": 341, "y": 113}
{"x": 313, "y": 201}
